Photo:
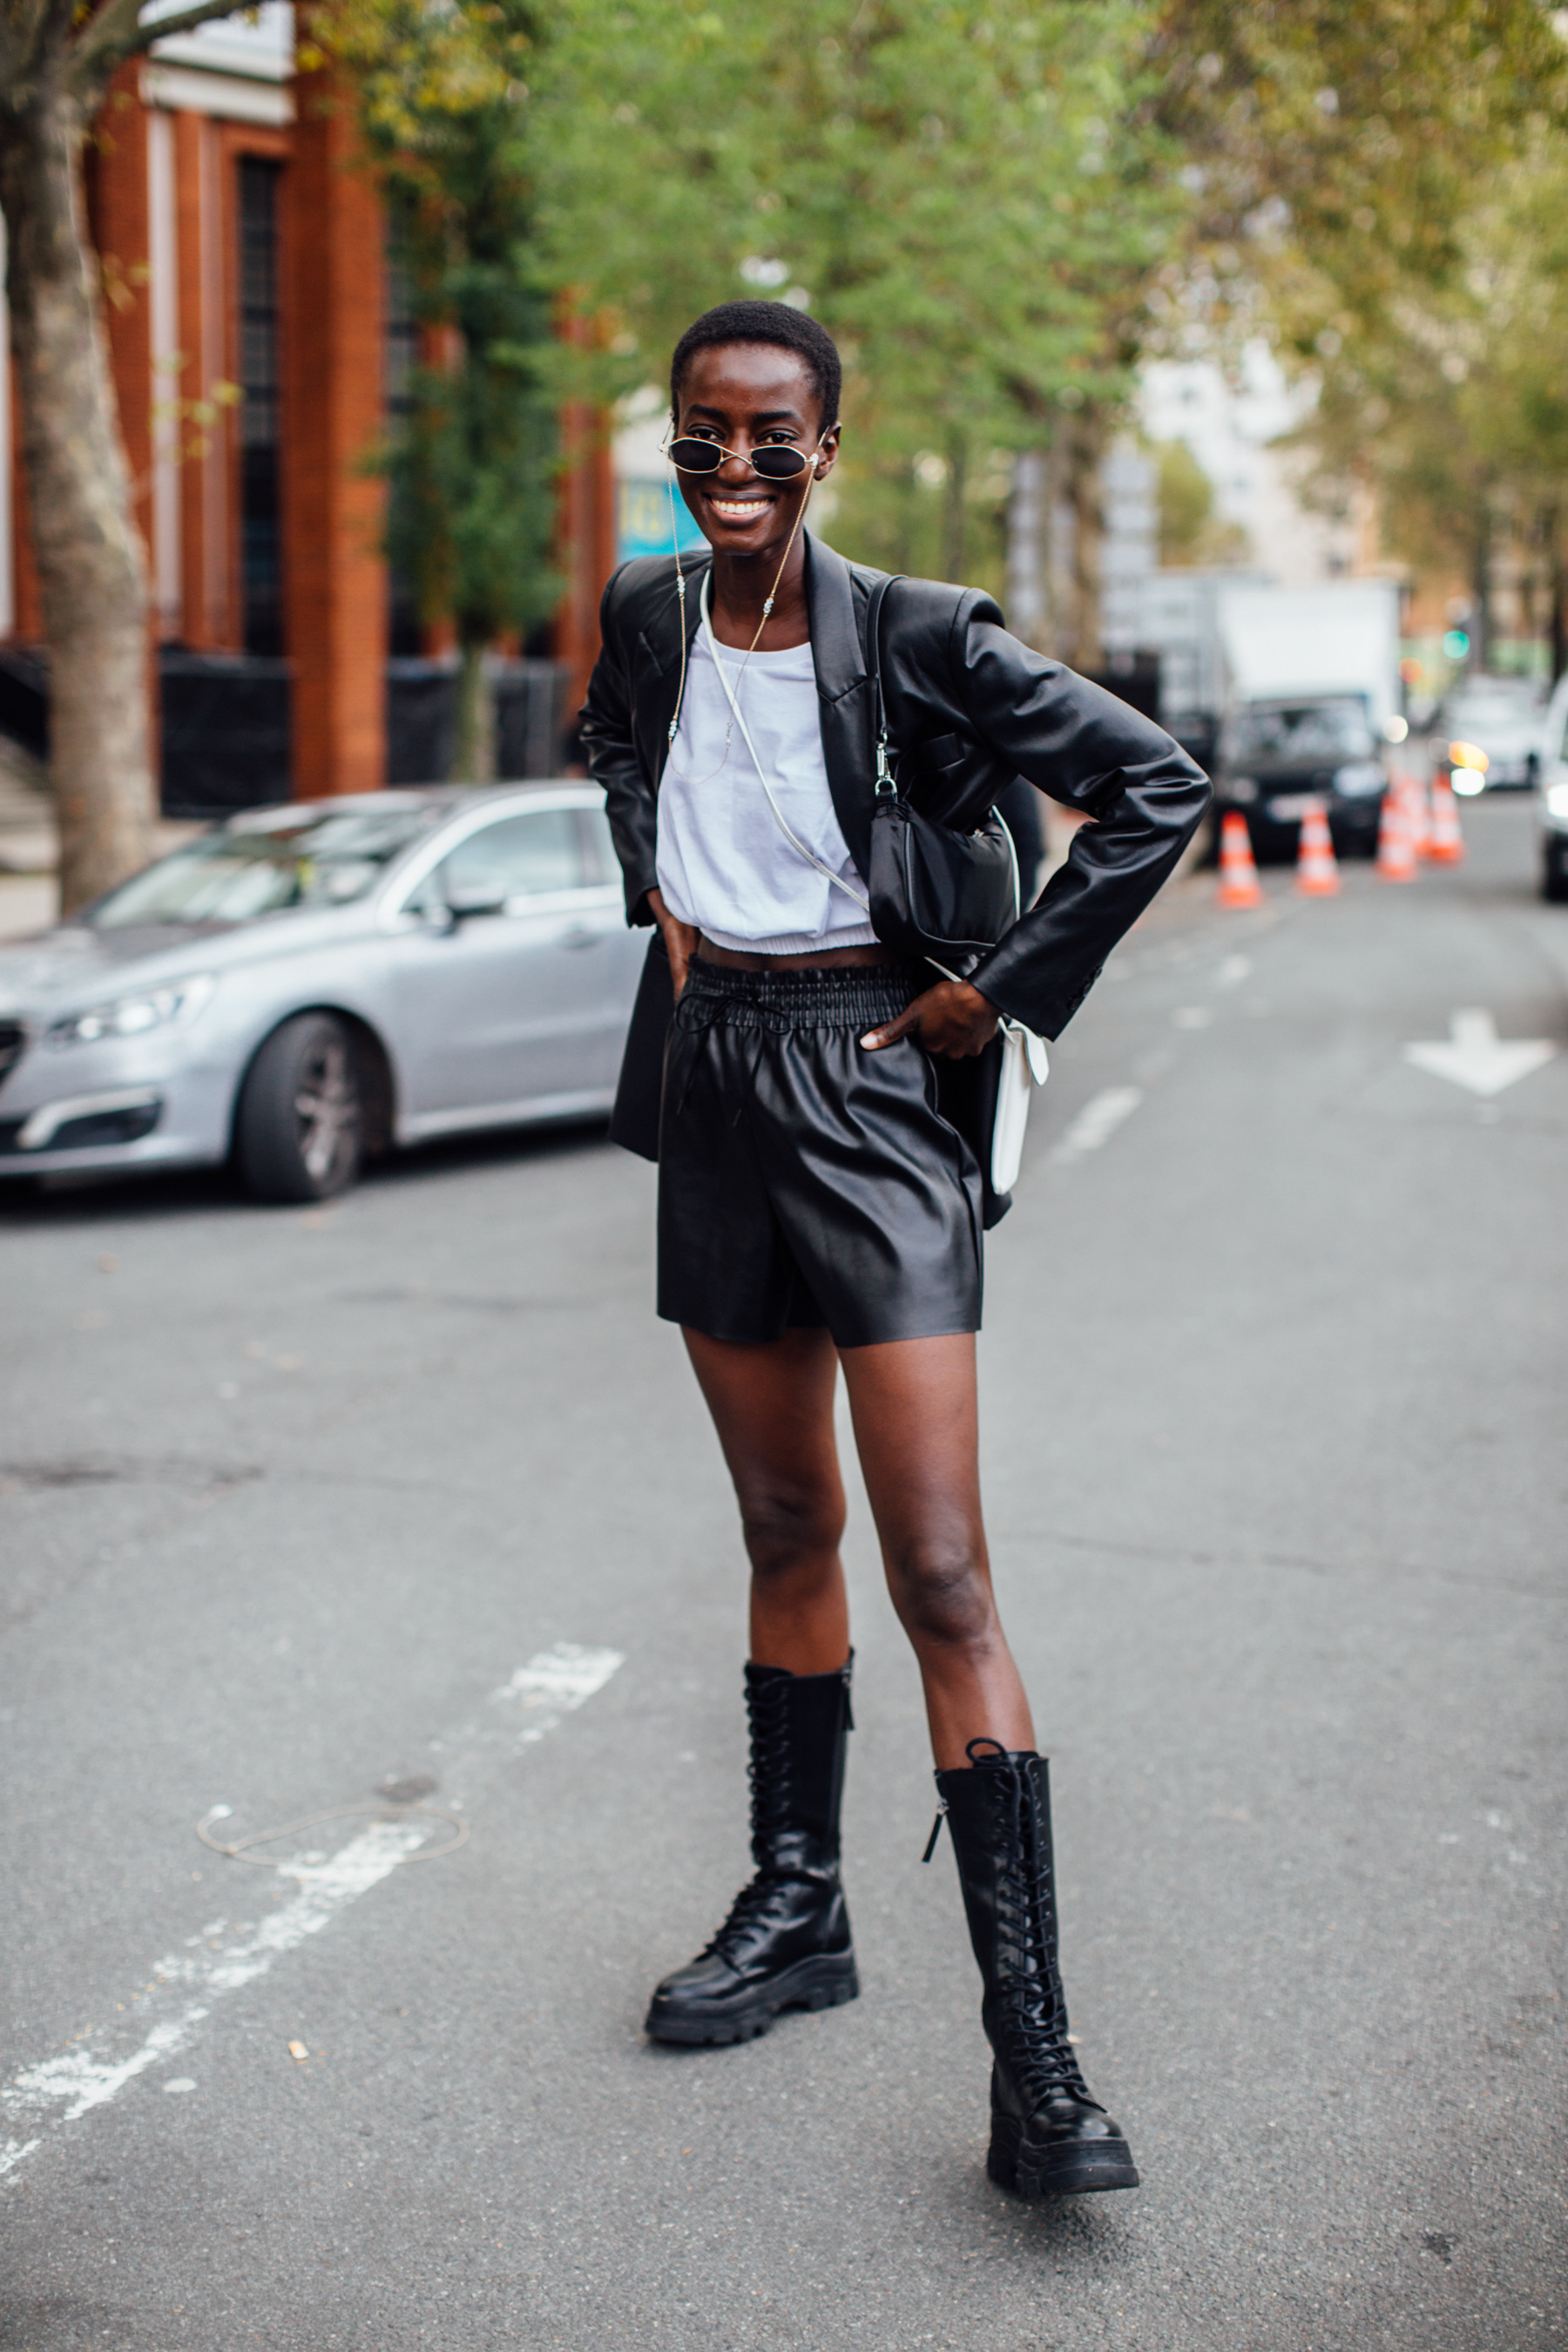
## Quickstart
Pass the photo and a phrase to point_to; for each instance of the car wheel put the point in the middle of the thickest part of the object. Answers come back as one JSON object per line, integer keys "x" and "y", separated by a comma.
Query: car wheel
{"x": 300, "y": 1134}
{"x": 1554, "y": 869}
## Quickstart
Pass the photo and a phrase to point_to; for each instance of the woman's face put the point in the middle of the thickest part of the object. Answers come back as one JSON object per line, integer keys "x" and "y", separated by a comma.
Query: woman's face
{"x": 751, "y": 396}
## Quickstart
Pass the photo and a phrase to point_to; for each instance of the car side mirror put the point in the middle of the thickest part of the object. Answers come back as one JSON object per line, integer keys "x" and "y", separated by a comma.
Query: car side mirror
{"x": 474, "y": 899}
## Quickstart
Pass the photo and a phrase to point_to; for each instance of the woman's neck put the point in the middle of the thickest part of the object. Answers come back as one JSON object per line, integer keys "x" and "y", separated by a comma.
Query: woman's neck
{"x": 742, "y": 585}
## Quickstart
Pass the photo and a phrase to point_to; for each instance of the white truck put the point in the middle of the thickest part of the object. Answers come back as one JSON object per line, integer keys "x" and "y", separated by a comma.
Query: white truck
{"x": 1311, "y": 682}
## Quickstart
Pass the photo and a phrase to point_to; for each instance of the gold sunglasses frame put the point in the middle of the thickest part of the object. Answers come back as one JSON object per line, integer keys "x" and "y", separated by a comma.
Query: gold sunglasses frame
{"x": 701, "y": 473}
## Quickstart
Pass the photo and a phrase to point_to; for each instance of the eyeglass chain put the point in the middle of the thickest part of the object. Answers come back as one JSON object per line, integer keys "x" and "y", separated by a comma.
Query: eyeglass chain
{"x": 735, "y": 696}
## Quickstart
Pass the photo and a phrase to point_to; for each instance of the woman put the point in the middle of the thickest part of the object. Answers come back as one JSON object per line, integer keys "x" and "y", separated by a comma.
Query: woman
{"x": 822, "y": 1180}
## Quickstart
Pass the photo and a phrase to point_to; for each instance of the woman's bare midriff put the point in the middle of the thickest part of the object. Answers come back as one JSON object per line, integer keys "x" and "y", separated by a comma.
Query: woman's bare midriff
{"x": 819, "y": 960}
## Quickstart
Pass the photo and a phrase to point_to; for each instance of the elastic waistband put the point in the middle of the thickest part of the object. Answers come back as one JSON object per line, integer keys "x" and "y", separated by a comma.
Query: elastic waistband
{"x": 841, "y": 996}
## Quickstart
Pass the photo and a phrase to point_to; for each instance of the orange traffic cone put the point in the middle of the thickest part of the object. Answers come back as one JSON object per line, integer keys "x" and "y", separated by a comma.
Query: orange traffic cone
{"x": 1317, "y": 869}
{"x": 1238, "y": 874}
{"x": 1445, "y": 844}
{"x": 1395, "y": 851}
{"x": 1417, "y": 816}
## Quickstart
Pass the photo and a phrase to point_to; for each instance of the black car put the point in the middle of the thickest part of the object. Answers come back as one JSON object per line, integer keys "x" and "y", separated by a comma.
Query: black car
{"x": 1273, "y": 758}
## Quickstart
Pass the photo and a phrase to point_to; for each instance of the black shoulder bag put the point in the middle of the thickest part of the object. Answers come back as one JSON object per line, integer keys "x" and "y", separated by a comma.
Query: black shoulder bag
{"x": 935, "y": 893}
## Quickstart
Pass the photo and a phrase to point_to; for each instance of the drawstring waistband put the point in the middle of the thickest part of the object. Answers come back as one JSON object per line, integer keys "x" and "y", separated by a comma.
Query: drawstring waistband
{"x": 836, "y": 997}
{"x": 764, "y": 1004}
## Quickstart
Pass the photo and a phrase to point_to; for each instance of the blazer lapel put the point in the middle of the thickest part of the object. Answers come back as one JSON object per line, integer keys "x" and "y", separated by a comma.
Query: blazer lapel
{"x": 842, "y": 694}
{"x": 658, "y": 661}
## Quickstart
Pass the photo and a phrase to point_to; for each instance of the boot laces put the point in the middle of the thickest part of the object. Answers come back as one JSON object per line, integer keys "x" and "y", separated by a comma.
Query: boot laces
{"x": 750, "y": 1908}
{"x": 1039, "y": 2055}
{"x": 768, "y": 1769}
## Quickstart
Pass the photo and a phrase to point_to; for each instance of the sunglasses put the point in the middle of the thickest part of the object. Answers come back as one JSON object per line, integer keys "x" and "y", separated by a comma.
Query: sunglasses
{"x": 688, "y": 454}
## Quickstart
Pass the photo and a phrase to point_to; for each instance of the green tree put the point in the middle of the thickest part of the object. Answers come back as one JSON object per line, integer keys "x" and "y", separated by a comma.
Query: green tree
{"x": 57, "y": 61}
{"x": 1379, "y": 190}
{"x": 970, "y": 197}
{"x": 448, "y": 110}
{"x": 1190, "y": 530}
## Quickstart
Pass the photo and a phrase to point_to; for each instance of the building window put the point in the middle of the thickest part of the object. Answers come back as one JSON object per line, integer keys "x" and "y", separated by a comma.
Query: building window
{"x": 261, "y": 579}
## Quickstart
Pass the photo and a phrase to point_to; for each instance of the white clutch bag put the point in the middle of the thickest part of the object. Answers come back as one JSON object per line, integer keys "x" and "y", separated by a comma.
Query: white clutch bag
{"x": 1024, "y": 1068}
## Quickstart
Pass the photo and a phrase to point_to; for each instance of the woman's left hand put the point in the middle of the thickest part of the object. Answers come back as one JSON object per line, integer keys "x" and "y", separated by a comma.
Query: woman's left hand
{"x": 951, "y": 1018}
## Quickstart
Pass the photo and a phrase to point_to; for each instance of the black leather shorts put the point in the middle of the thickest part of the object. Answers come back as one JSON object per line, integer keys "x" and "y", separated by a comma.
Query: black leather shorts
{"x": 803, "y": 1180}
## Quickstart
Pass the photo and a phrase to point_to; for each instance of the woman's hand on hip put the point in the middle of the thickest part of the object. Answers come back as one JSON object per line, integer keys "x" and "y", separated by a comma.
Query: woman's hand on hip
{"x": 951, "y": 1018}
{"x": 679, "y": 939}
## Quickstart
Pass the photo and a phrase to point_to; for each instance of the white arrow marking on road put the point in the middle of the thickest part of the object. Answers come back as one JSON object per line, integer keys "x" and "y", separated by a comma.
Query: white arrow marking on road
{"x": 219, "y": 1961}
{"x": 1098, "y": 1121}
{"x": 1477, "y": 1058}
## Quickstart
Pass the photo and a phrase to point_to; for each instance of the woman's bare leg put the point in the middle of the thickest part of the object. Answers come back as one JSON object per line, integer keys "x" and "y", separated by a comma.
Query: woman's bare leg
{"x": 917, "y": 1430}
{"x": 772, "y": 1408}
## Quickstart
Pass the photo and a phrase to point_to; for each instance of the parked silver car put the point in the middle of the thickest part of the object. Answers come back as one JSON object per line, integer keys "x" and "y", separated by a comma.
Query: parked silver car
{"x": 303, "y": 984}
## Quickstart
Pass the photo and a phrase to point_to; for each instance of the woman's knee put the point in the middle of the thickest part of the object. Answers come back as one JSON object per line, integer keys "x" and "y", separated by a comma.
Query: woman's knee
{"x": 791, "y": 1528}
{"x": 942, "y": 1593}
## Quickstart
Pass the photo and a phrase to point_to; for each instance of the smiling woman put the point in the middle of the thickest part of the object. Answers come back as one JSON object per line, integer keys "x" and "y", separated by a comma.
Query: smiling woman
{"x": 818, "y": 1102}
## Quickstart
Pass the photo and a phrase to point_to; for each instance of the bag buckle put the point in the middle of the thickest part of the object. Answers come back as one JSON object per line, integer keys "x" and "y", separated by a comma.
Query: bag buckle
{"x": 886, "y": 788}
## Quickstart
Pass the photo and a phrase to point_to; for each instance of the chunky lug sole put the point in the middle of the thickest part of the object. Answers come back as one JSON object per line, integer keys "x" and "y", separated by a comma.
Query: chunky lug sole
{"x": 1070, "y": 2170}
{"x": 825, "y": 1980}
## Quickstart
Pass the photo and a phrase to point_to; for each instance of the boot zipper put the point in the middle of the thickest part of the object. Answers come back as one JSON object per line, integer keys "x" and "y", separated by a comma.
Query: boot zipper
{"x": 935, "y": 1829}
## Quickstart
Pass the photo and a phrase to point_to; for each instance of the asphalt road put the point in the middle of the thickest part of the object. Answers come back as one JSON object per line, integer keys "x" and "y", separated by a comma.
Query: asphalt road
{"x": 1274, "y": 1391}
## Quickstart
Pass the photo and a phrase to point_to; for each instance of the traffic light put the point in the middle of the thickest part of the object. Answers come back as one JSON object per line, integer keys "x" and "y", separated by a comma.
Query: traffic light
{"x": 1456, "y": 645}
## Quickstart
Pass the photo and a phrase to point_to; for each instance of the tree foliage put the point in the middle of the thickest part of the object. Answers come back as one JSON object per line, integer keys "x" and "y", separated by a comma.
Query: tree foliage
{"x": 970, "y": 198}
{"x": 1380, "y": 189}
{"x": 448, "y": 111}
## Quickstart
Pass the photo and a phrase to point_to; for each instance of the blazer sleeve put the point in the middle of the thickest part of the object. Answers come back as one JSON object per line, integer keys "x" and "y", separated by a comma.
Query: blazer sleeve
{"x": 1093, "y": 752}
{"x": 610, "y": 740}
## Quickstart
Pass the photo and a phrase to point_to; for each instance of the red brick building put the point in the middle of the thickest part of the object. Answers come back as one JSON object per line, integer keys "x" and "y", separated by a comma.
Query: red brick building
{"x": 244, "y": 246}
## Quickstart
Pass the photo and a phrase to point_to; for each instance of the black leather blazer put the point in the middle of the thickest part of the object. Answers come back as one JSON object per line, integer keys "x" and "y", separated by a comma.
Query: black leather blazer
{"x": 969, "y": 707}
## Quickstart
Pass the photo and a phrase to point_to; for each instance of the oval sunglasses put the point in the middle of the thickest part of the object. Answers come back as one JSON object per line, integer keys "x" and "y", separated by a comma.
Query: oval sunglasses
{"x": 690, "y": 454}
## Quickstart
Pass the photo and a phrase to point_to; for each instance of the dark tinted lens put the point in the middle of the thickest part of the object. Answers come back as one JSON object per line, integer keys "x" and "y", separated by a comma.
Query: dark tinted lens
{"x": 694, "y": 456}
{"x": 779, "y": 465}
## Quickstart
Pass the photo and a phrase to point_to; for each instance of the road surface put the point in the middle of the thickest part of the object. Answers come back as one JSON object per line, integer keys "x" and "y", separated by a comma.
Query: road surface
{"x": 299, "y": 1504}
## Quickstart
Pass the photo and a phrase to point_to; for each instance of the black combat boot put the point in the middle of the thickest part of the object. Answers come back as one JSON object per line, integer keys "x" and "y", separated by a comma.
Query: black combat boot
{"x": 1048, "y": 2138}
{"x": 786, "y": 1944}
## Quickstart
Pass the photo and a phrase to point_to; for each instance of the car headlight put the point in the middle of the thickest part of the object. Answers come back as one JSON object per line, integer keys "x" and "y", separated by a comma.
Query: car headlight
{"x": 1557, "y": 801}
{"x": 1241, "y": 789}
{"x": 130, "y": 1016}
{"x": 1358, "y": 780}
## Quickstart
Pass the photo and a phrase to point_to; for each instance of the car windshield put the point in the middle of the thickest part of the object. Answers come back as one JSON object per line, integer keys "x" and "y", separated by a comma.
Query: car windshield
{"x": 1297, "y": 734}
{"x": 258, "y": 865}
{"x": 1482, "y": 710}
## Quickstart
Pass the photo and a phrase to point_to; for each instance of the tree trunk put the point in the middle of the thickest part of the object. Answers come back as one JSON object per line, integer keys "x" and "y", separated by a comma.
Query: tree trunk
{"x": 1482, "y": 621}
{"x": 92, "y": 571}
{"x": 1557, "y": 581}
{"x": 956, "y": 509}
{"x": 474, "y": 748}
{"x": 1074, "y": 533}
{"x": 1027, "y": 608}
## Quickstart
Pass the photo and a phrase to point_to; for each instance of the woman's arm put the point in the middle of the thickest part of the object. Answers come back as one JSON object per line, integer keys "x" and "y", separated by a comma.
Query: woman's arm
{"x": 611, "y": 746}
{"x": 1094, "y": 752}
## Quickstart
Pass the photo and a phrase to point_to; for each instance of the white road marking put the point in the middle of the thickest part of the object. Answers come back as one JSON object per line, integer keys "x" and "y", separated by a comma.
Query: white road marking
{"x": 1098, "y": 1121}
{"x": 1193, "y": 1017}
{"x": 217, "y": 1961}
{"x": 553, "y": 1684}
{"x": 1477, "y": 1058}
{"x": 1233, "y": 970}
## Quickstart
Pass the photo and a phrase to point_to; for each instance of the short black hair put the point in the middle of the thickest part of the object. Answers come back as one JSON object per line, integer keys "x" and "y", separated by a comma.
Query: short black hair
{"x": 765, "y": 322}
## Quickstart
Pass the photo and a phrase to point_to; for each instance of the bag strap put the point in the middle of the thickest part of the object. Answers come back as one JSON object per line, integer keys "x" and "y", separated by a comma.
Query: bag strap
{"x": 873, "y": 658}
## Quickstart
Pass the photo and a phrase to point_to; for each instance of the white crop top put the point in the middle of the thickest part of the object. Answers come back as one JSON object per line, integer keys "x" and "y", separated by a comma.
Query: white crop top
{"x": 723, "y": 861}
